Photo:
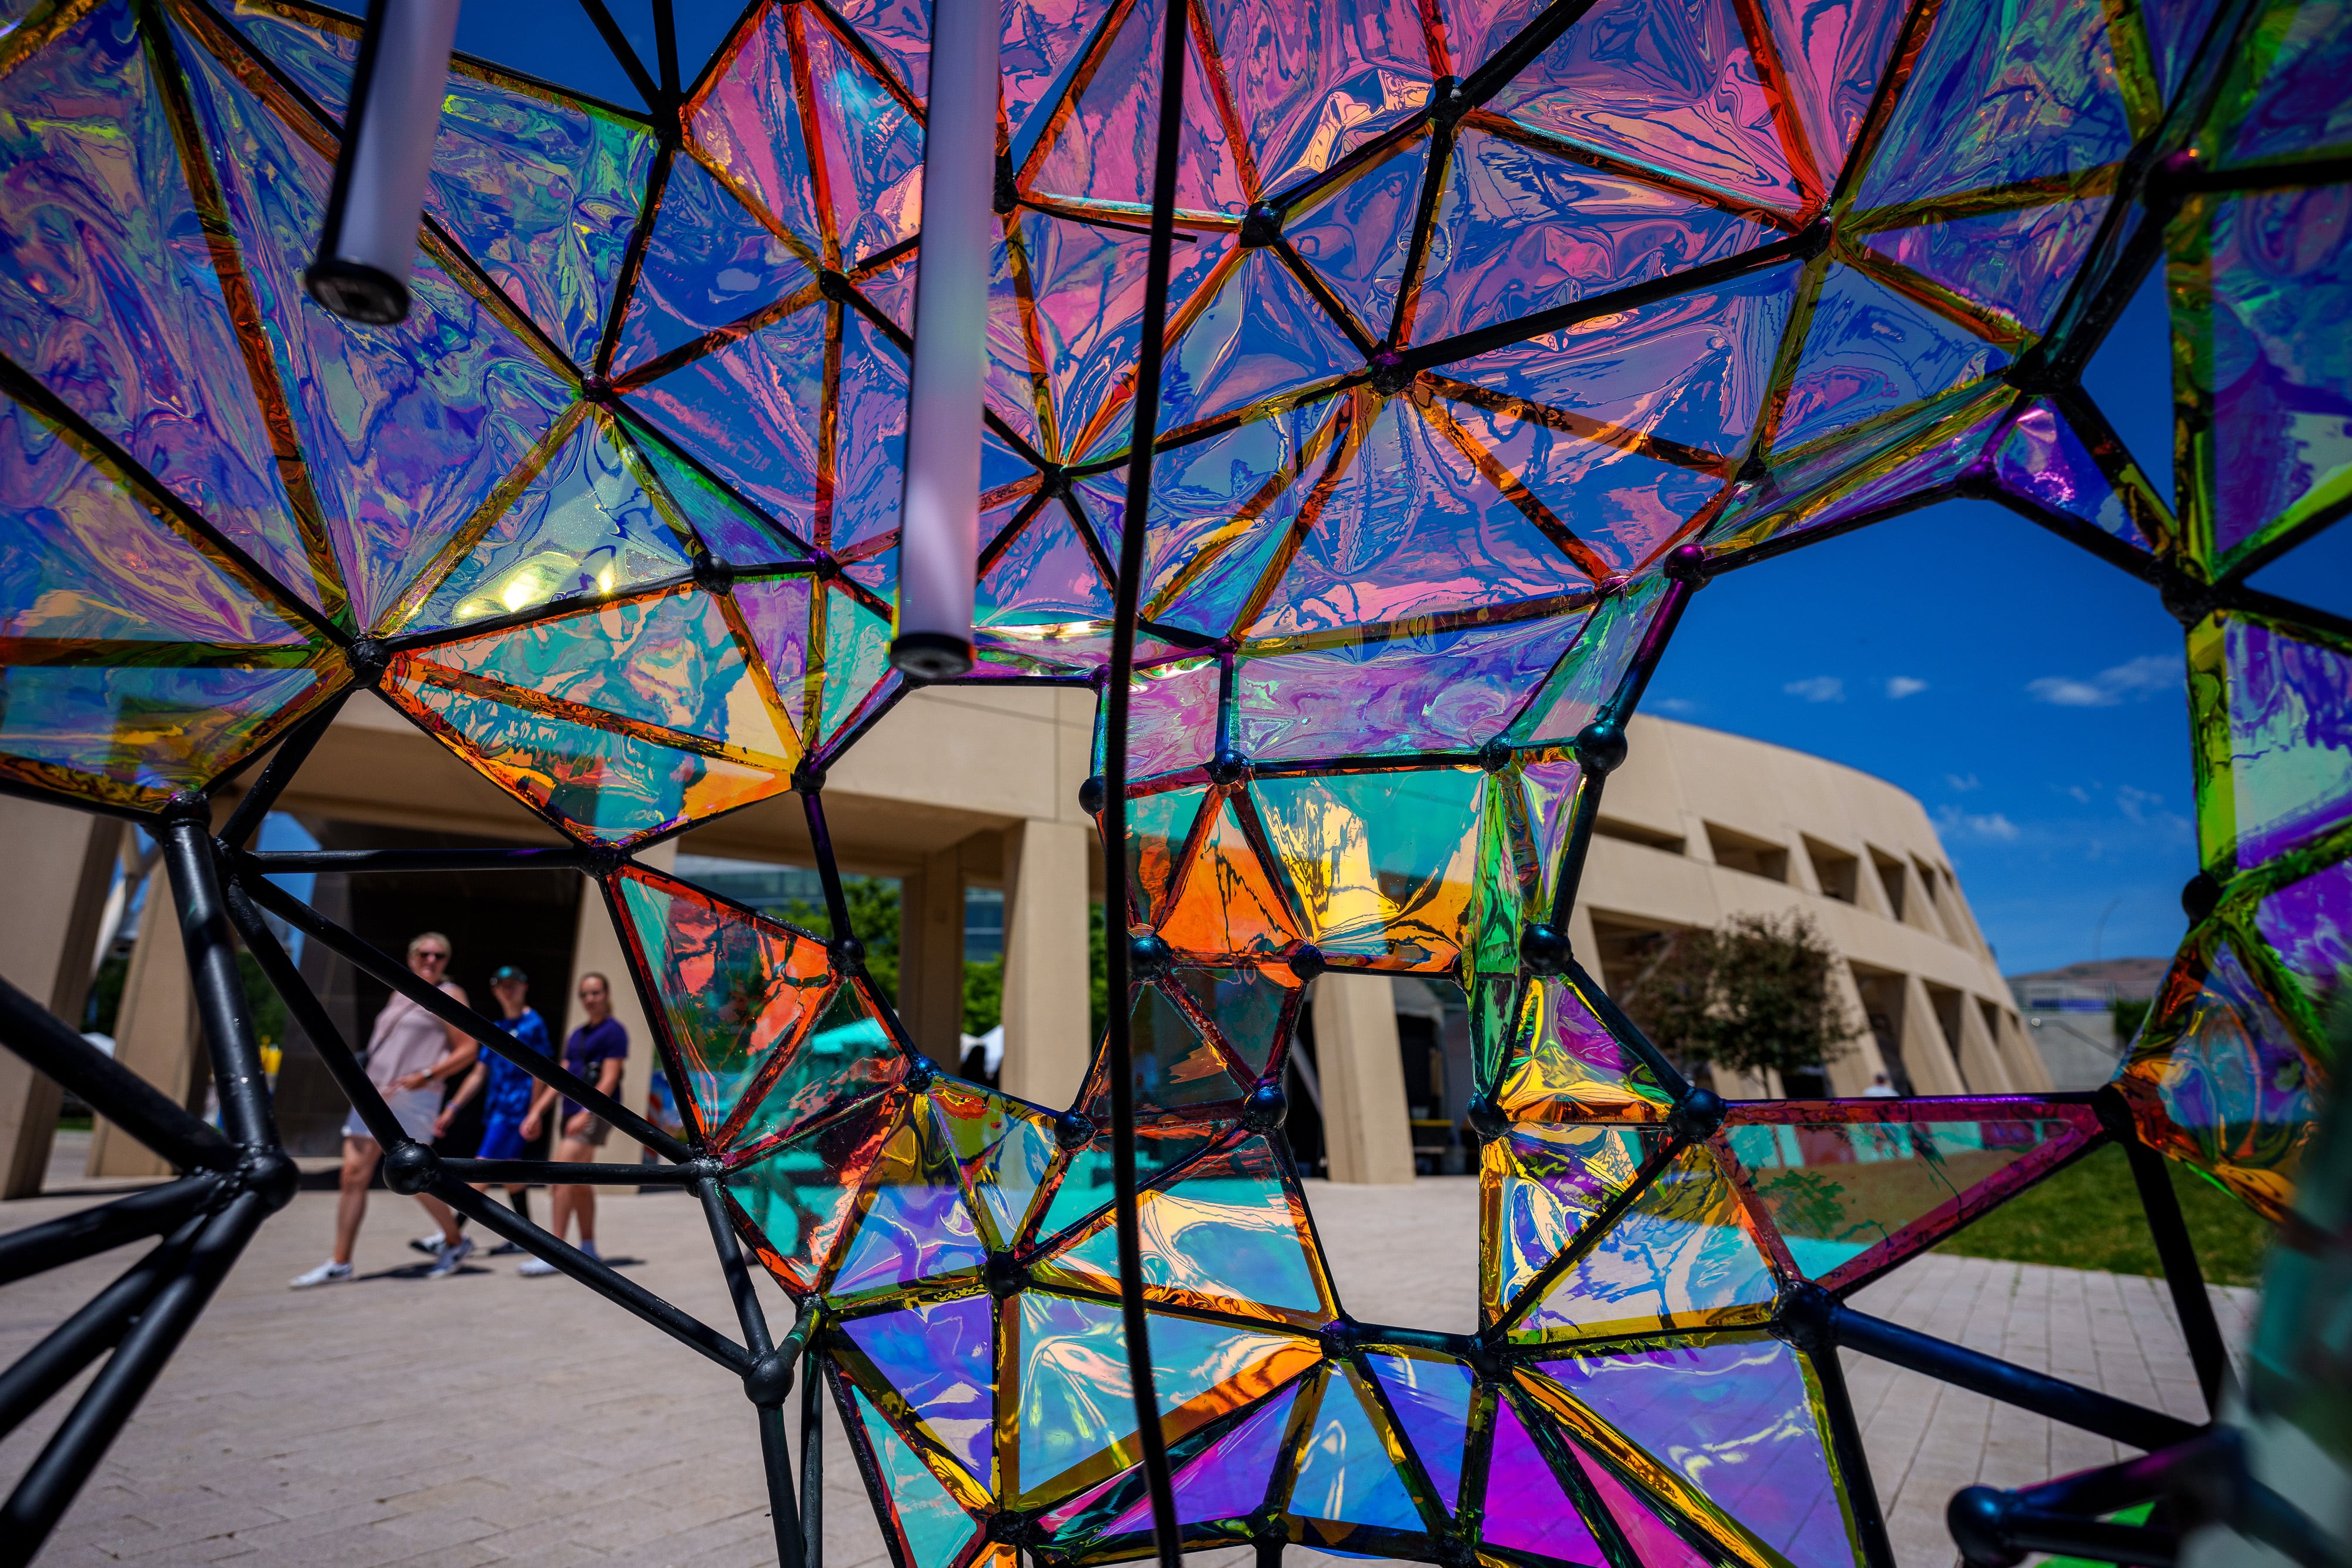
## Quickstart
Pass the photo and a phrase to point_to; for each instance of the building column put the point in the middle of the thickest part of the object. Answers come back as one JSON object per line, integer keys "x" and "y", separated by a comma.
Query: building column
{"x": 1366, "y": 1136}
{"x": 930, "y": 958}
{"x": 1048, "y": 1035}
{"x": 596, "y": 949}
{"x": 1981, "y": 1058}
{"x": 63, "y": 864}
{"x": 2026, "y": 1068}
{"x": 154, "y": 1032}
{"x": 1926, "y": 1056}
{"x": 1851, "y": 1072}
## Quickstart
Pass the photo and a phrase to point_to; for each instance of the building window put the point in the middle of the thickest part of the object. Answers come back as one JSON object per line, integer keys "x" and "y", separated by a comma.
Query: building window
{"x": 1735, "y": 850}
{"x": 1838, "y": 872}
{"x": 1634, "y": 833}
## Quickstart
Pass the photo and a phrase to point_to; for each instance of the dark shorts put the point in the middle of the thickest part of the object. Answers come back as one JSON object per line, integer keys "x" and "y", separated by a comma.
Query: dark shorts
{"x": 502, "y": 1139}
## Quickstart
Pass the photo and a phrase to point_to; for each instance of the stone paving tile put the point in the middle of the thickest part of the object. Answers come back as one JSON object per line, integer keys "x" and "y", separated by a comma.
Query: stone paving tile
{"x": 488, "y": 1419}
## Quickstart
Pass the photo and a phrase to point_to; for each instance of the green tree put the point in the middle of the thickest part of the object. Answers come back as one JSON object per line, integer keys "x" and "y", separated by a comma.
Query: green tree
{"x": 873, "y": 919}
{"x": 2128, "y": 1016}
{"x": 983, "y": 983}
{"x": 1751, "y": 996}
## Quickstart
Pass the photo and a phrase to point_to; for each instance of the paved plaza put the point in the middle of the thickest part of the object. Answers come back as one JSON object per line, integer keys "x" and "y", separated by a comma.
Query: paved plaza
{"x": 489, "y": 1419}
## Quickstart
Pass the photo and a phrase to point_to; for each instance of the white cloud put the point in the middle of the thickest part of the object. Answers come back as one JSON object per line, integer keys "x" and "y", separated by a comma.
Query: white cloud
{"x": 1962, "y": 783}
{"x": 2148, "y": 674}
{"x": 1991, "y": 826}
{"x": 1902, "y": 686}
{"x": 1675, "y": 704}
{"x": 1818, "y": 689}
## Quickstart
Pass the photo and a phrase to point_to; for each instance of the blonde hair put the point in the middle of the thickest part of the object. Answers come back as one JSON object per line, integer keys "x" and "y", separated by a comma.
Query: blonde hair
{"x": 422, "y": 938}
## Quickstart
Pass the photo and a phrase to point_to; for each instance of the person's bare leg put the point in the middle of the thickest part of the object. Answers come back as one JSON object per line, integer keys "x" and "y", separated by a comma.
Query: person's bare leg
{"x": 584, "y": 1209}
{"x": 442, "y": 1214}
{"x": 360, "y": 1156}
{"x": 582, "y": 1205}
{"x": 560, "y": 1197}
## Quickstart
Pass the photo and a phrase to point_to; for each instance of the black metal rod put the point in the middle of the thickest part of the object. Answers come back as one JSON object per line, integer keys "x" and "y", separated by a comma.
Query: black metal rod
{"x": 101, "y": 1228}
{"x": 247, "y": 1113}
{"x": 811, "y": 1466}
{"x": 776, "y": 1456}
{"x": 47, "y": 1487}
{"x": 278, "y": 771}
{"x": 1995, "y": 1529}
{"x": 111, "y": 1089}
{"x": 74, "y": 1343}
{"x": 2207, "y": 1351}
{"x": 594, "y": 1273}
{"x": 836, "y": 902}
{"x": 433, "y": 999}
{"x": 285, "y": 862}
{"x": 302, "y": 1005}
{"x": 558, "y": 1172}
{"x": 1119, "y": 1066}
{"x": 1586, "y": 810}
{"x": 2110, "y": 1418}
{"x": 1853, "y": 1460}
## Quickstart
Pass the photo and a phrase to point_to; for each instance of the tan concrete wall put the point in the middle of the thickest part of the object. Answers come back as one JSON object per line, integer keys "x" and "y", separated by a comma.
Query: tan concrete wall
{"x": 61, "y": 864}
{"x": 1367, "y": 1134}
{"x": 597, "y": 950}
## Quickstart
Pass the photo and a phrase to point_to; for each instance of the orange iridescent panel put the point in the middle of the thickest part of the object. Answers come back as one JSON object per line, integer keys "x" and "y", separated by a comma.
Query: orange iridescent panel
{"x": 1381, "y": 862}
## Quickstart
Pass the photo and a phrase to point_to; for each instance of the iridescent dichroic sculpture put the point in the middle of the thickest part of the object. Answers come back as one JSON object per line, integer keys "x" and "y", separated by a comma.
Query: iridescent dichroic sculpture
{"x": 1495, "y": 330}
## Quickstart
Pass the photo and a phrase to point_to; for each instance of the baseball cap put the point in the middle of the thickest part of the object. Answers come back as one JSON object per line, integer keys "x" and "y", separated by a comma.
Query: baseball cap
{"x": 505, "y": 972}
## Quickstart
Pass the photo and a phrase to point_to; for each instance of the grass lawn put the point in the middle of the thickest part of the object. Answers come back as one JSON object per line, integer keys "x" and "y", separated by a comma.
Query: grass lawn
{"x": 2088, "y": 1217}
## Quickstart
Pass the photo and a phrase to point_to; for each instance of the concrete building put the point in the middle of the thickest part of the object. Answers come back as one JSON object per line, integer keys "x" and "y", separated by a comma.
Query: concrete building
{"x": 970, "y": 787}
{"x": 2071, "y": 1014}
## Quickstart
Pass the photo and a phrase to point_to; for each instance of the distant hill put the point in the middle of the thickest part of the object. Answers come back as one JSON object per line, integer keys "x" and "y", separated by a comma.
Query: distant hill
{"x": 2134, "y": 979}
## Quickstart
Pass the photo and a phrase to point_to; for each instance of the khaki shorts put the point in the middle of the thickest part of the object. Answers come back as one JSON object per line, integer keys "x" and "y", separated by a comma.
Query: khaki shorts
{"x": 593, "y": 1134}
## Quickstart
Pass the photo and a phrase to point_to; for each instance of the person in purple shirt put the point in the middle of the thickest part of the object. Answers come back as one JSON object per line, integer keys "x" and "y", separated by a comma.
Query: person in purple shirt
{"x": 594, "y": 1053}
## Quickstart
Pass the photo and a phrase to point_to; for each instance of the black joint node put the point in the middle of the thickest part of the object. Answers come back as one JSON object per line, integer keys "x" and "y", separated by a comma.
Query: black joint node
{"x": 1601, "y": 745}
{"x": 921, "y": 1073}
{"x": 1977, "y": 1518}
{"x": 1804, "y": 1319}
{"x": 705, "y": 1168}
{"x": 834, "y": 286}
{"x": 847, "y": 951}
{"x": 369, "y": 659}
{"x": 1543, "y": 948}
{"x": 1389, "y": 373}
{"x": 1814, "y": 240}
{"x": 1228, "y": 766}
{"x": 1090, "y": 796}
{"x": 1688, "y": 563}
{"x": 1488, "y": 1366}
{"x": 1054, "y": 481}
{"x": 601, "y": 859}
{"x": 2200, "y": 896}
{"x": 1004, "y": 1275}
{"x": 1008, "y": 193}
{"x": 2030, "y": 372}
{"x": 1009, "y": 1527}
{"x": 1488, "y": 1119}
{"x": 2186, "y": 599}
{"x": 1448, "y": 104}
{"x": 1455, "y": 1551}
{"x": 808, "y": 780}
{"x": 188, "y": 806}
{"x": 711, "y": 574}
{"x": 1148, "y": 956}
{"x": 409, "y": 1167}
{"x": 1072, "y": 1132}
{"x": 1496, "y": 755}
{"x": 272, "y": 1175}
{"x": 770, "y": 1380}
{"x": 1755, "y": 470}
{"x": 1261, "y": 225}
{"x": 1697, "y": 1118}
{"x": 596, "y": 389}
{"x": 825, "y": 568}
{"x": 1307, "y": 962}
{"x": 1266, "y": 1108}
{"x": 1339, "y": 1337}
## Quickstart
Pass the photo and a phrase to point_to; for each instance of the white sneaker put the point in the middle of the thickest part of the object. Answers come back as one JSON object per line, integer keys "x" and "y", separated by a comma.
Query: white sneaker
{"x": 327, "y": 1274}
{"x": 534, "y": 1266}
{"x": 451, "y": 1257}
{"x": 429, "y": 1245}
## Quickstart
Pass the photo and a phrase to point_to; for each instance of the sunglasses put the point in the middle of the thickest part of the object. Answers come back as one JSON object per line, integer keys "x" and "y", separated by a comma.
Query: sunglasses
{"x": 429, "y": 953}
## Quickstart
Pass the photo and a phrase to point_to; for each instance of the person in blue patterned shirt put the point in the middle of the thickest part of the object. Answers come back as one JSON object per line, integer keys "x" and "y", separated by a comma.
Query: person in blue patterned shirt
{"x": 506, "y": 1089}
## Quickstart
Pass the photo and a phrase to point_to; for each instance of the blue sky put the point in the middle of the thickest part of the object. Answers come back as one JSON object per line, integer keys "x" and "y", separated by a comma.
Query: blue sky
{"x": 2028, "y": 692}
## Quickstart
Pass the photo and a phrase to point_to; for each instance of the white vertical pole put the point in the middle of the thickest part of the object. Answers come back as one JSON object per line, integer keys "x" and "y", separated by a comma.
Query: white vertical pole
{"x": 389, "y": 125}
{"x": 939, "y": 520}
